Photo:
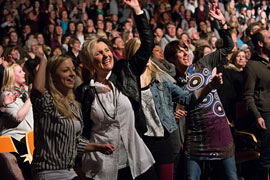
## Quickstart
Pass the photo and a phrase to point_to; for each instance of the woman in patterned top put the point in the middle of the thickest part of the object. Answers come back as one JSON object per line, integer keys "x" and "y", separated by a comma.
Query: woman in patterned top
{"x": 58, "y": 121}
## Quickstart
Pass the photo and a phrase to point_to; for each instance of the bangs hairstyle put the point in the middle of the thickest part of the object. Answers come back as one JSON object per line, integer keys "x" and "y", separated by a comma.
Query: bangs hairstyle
{"x": 153, "y": 70}
{"x": 88, "y": 50}
{"x": 172, "y": 48}
{"x": 52, "y": 65}
{"x": 8, "y": 78}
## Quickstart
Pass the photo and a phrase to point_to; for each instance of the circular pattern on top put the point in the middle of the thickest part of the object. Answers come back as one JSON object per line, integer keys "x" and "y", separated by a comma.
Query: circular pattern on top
{"x": 196, "y": 81}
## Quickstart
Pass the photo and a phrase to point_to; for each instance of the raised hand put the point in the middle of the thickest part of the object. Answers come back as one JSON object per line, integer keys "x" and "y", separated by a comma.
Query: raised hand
{"x": 216, "y": 81}
{"x": 216, "y": 14}
{"x": 134, "y": 4}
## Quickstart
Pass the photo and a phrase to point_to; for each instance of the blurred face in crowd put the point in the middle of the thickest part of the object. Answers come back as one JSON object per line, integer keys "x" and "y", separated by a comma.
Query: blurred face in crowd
{"x": 72, "y": 27}
{"x": 195, "y": 35}
{"x": 114, "y": 18}
{"x": 119, "y": 43}
{"x": 15, "y": 55}
{"x": 159, "y": 32}
{"x": 13, "y": 37}
{"x": 171, "y": 30}
{"x": 203, "y": 26}
{"x": 127, "y": 26}
{"x": 40, "y": 39}
{"x": 27, "y": 29}
{"x": 34, "y": 46}
{"x": 100, "y": 25}
{"x": 58, "y": 30}
{"x": 248, "y": 53}
{"x": 266, "y": 43}
{"x": 90, "y": 23}
{"x": 185, "y": 39}
{"x": 157, "y": 53}
{"x": 19, "y": 74}
{"x": 76, "y": 46}
{"x": 240, "y": 60}
{"x": 80, "y": 27}
{"x": 51, "y": 28}
{"x": 57, "y": 51}
{"x": 103, "y": 58}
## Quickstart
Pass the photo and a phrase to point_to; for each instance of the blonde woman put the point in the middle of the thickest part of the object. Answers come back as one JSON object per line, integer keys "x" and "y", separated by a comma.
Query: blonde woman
{"x": 17, "y": 117}
{"x": 159, "y": 93}
{"x": 58, "y": 121}
{"x": 112, "y": 107}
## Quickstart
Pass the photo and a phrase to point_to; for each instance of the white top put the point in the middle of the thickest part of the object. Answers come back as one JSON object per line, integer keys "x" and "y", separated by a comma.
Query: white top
{"x": 115, "y": 131}
{"x": 9, "y": 124}
{"x": 153, "y": 124}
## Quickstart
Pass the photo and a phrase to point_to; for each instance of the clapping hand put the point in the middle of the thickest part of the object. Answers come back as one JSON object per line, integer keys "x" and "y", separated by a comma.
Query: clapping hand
{"x": 9, "y": 98}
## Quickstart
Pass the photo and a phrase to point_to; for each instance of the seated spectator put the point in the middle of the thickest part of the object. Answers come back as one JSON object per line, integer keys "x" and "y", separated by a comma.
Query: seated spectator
{"x": 17, "y": 118}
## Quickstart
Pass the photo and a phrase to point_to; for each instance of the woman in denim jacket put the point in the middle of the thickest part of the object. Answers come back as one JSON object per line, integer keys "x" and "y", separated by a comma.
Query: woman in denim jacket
{"x": 159, "y": 92}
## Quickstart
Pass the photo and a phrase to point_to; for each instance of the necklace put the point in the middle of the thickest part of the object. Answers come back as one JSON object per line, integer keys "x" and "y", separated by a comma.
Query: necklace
{"x": 114, "y": 102}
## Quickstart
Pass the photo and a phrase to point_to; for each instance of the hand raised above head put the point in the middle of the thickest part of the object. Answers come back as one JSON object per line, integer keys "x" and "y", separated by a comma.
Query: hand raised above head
{"x": 216, "y": 13}
{"x": 134, "y": 4}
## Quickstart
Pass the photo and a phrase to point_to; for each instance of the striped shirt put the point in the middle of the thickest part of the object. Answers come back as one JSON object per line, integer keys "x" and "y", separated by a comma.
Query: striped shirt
{"x": 56, "y": 142}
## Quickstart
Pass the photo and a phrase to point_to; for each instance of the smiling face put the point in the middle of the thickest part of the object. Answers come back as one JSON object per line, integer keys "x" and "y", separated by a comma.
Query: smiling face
{"x": 182, "y": 59}
{"x": 103, "y": 58}
{"x": 19, "y": 76}
{"x": 64, "y": 76}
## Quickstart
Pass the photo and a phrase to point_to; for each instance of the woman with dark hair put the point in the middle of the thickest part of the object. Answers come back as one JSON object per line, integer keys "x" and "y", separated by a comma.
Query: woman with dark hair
{"x": 231, "y": 91}
{"x": 159, "y": 93}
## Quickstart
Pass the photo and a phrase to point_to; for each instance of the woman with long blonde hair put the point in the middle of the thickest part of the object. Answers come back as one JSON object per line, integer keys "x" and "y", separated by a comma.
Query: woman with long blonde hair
{"x": 58, "y": 121}
{"x": 17, "y": 118}
{"x": 158, "y": 94}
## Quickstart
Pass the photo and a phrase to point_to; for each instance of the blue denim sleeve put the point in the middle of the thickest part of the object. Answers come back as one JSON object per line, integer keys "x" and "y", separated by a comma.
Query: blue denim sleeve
{"x": 182, "y": 96}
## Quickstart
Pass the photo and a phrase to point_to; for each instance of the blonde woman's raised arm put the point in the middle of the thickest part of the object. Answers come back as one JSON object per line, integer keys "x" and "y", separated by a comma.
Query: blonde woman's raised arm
{"x": 40, "y": 78}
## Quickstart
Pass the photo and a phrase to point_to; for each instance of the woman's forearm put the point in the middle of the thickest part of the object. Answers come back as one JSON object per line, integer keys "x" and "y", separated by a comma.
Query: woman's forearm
{"x": 40, "y": 78}
{"x": 23, "y": 111}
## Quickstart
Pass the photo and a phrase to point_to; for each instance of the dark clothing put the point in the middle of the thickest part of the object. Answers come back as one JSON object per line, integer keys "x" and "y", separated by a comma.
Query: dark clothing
{"x": 208, "y": 136}
{"x": 257, "y": 85}
{"x": 1, "y": 74}
{"x": 257, "y": 99}
{"x": 231, "y": 90}
{"x": 126, "y": 77}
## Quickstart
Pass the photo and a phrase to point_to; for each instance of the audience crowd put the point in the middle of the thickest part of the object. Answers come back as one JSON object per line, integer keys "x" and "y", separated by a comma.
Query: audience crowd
{"x": 129, "y": 89}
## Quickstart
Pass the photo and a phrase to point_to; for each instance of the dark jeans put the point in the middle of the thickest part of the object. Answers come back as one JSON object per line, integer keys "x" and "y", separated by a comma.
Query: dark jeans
{"x": 264, "y": 160}
{"x": 228, "y": 167}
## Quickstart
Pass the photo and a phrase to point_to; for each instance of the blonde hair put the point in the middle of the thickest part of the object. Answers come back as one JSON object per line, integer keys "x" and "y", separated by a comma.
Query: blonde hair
{"x": 8, "y": 78}
{"x": 87, "y": 52}
{"x": 52, "y": 65}
{"x": 152, "y": 70}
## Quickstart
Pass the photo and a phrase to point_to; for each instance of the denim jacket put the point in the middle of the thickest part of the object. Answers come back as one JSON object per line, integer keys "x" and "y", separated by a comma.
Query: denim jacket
{"x": 164, "y": 94}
